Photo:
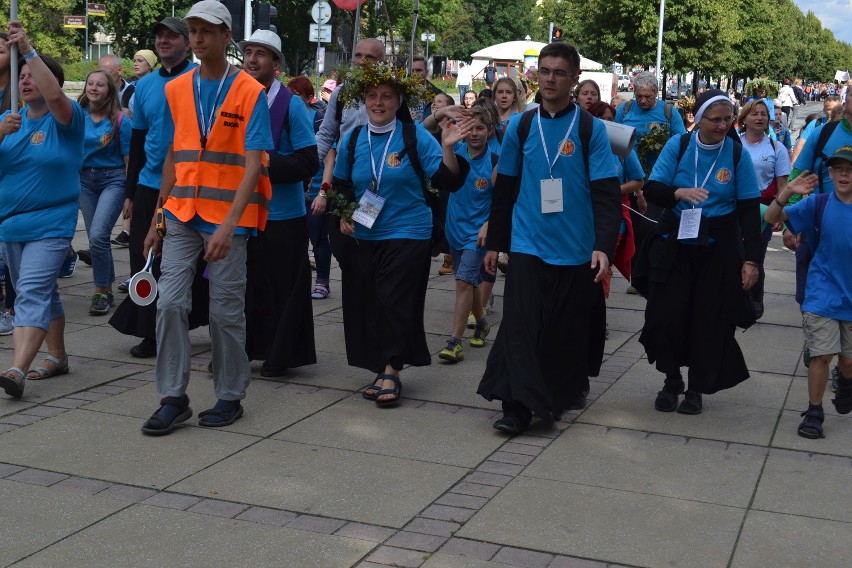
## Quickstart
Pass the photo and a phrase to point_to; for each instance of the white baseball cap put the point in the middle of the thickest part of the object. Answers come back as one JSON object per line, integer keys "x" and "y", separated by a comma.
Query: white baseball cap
{"x": 210, "y": 11}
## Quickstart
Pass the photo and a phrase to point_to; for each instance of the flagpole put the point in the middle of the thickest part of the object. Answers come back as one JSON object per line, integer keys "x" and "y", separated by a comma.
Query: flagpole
{"x": 13, "y": 61}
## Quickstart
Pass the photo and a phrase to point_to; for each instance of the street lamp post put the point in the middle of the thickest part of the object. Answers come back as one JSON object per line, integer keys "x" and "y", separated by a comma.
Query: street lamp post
{"x": 173, "y": 8}
{"x": 660, "y": 47}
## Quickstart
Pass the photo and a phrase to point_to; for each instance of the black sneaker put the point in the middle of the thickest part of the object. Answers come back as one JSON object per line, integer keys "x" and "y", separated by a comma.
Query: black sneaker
{"x": 146, "y": 349}
{"x": 512, "y": 424}
{"x": 85, "y": 256}
{"x": 121, "y": 240}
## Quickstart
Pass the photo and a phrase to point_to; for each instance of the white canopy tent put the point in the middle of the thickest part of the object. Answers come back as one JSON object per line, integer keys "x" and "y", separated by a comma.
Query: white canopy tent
{"x": 514, "y": 51}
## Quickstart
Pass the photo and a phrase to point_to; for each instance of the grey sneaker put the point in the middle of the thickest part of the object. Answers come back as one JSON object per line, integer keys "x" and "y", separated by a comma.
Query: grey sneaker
{"x": 124, "y": 287}
{"x": 101, "y": 303}
{"x": 7, "y": 325}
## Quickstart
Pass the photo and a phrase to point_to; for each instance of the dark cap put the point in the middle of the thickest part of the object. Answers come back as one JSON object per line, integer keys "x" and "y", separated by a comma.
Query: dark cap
{"x": 842, "y": 153}
{"x": 176, "y": 25}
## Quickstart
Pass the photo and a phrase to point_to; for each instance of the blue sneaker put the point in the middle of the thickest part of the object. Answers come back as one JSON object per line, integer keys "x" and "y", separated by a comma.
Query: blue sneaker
{"x": 69, "y": 266}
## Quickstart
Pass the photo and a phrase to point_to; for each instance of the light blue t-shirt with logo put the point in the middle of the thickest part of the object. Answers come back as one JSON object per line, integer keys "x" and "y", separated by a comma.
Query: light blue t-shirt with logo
{"x": 469, "y": 207}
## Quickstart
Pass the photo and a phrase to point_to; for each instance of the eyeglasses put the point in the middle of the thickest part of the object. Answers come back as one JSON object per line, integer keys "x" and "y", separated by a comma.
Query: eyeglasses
{"x": 557, "y": 73}
{"x": 716, "y": 121}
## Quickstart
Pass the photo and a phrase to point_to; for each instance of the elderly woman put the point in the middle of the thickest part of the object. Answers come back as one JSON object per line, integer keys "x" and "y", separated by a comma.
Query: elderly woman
{"x": 38, "y": 208}
{"x": 384, "y": 257}
{"x": 772, "y": 166}
{"x": 702, "y": 259}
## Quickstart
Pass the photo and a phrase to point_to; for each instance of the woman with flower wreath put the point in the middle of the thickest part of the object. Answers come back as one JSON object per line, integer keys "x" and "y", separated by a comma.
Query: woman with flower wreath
{"x": 385, "y": 258}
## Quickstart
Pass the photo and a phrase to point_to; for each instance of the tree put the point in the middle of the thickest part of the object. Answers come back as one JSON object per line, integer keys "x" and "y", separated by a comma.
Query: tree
{"x": 43, "y": 23}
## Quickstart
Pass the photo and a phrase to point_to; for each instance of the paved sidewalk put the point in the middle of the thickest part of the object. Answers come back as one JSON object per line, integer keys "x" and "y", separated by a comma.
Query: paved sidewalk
{"x": 314, "y": 476}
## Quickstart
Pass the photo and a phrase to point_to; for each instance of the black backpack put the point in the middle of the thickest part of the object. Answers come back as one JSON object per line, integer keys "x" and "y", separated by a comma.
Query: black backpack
{"x": 738, "y": 149}
{"x": 430, "y": 194}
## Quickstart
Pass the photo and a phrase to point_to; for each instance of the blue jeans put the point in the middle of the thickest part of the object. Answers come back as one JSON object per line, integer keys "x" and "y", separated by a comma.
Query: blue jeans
{"x": 101, "y": 200}
{"x": 34, "y": 267}
{"x": 318, "y": 233}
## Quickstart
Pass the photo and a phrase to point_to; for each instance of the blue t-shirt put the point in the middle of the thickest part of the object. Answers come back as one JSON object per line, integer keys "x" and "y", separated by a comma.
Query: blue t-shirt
{"x": 288, "y": 199}
{"x": 258, "y": 133}
{"x": 807, "y": 161}
{"x": 40, "y": 177}
{"x": 469, "y": 207}
{"x": 405, "y": 214}
{"x": 149, "y": 102}
{"x": 769, "y": 163}
{"x": 642, "y": 119}
{"x": 808, "y": 130}
{"x": 629, "y": 169}
{"x": 829, "y": 289}
{"x": 724, "y": 188}
{"x": 566, "y": 238}
{"x": 101, "y": 149}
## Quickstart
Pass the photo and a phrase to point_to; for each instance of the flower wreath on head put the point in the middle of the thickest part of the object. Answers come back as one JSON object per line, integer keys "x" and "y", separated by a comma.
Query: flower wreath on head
{"x": 356, "y": 82}
{"x": 763, "y": 83}
{"x": 686, "y": 104}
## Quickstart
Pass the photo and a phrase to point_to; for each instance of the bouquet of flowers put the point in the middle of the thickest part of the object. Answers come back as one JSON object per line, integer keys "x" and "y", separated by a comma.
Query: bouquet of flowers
{"x": 357, "y": 80}
{"x": 651, "y": 144}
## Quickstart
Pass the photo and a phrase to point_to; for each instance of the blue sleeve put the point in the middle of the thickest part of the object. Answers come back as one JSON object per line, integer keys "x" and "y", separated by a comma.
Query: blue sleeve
{"x": 601, "y": 165}
{"x": 633, "y": 168}
{"x": 258, "y": 130}
{"x": 301, "y": 126}
{"x": 431, "y": 153}
{"x": 140, "y": 122}
{"x": 167, "y": 134}
{"x": 805, "y": 160}
{"x": 509, "y": 152}
{"x": 665, "y": 168}
{"x": 342, "y": 167}
{"x": 746, "y": 178}
{"x": 806, "y": 133}
{"x": 801, "y": 217}
{"x": 124, "y": 134}
{"x": 676, "y": 123}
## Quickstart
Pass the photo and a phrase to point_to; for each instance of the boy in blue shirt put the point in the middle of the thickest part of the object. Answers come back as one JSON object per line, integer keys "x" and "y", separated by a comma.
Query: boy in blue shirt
{"x": 466, "y": 227}
{"x": 827, "y": 309}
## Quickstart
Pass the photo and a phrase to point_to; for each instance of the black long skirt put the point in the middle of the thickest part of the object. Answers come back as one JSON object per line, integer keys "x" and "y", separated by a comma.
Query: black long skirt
{"x": 279, "y": 314}
{"x": 384, "y": 292}
{"x": 540, "y": 357}
{"x": 140, "y": 321}
{"x": 690, "y": 319}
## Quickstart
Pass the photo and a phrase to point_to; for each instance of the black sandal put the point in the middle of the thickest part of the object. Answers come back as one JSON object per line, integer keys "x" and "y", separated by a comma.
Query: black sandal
{"x": 396, "y": 391}
{"x": 157, "y": 425}
{"x": 811, "y": 426}
{"x": 372, "y": 391}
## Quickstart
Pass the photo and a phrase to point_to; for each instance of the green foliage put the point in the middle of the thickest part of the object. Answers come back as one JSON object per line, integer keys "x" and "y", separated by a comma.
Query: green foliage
{"x": 43, "y": 23}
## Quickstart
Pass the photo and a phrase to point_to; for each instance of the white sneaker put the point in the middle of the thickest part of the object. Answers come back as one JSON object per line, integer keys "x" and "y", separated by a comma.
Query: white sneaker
{"x": 7, "y": 325}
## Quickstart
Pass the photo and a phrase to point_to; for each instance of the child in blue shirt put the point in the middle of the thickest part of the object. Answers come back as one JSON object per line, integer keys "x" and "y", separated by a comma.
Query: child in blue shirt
{"x": 466, "y": 227}
{"x": 827, "y": 309}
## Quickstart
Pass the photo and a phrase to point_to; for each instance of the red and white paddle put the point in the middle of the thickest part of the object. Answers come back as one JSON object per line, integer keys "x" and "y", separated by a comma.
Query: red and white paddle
{"x": 143, "y": 285}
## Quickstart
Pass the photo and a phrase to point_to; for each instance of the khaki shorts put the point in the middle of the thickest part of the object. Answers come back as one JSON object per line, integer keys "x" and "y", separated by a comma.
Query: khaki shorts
{"x": 826, "y": 336}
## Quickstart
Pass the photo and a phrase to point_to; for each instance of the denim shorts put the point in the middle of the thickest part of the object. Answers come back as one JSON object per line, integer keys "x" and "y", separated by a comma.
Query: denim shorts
{"x": 34, "y": 267}
{"x": 467, "y": 265}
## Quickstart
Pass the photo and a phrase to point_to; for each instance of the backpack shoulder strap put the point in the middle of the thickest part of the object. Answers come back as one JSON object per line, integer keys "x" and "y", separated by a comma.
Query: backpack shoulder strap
{"x": 821, "y": 202}
{"x": 495, "y": 157}
{"x": 627, "y": 106}
{"x": 353, "y": 140}
{"x": 587, "y": 125}
{"x": 409, "y": 136}
{"x": 824, "y": 134}
{"x": 667, "y": 110}
{"x": 684, "y": 143}
{"x": 524, "y": 128}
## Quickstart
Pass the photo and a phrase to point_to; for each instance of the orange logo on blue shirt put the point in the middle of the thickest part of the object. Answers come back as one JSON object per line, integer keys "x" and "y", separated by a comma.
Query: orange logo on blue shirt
{"x": 106, "y": 139}
{"x": 37, "y": 138}
{"x": 480, "y": 183}
{"x": 567, "y": 148}
{"x": 723, "y": 175}
{"x": 394, "y": 160}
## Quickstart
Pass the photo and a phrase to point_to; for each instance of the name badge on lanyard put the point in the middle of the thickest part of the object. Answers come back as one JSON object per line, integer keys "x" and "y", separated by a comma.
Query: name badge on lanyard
{"x": 368, "y": 209}
{"x": 551, "y": 189}
{"x": 690, "y": 219}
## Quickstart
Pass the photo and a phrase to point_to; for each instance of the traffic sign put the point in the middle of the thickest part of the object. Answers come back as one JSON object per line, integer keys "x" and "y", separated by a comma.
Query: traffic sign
{"x": 96, "y": 9}
{"x": 74, "y": 22}
{"x": 427, "y": 37}
{"x": 321, "y": 12}
{"x": 320, "y": 34}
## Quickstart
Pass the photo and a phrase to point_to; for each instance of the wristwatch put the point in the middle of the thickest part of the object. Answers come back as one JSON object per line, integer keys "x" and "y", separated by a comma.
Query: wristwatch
{"x": 323, "y": 188}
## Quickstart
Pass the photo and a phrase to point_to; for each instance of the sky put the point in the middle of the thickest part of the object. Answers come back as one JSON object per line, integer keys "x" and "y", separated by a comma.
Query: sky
{"x": 836, "y": 15}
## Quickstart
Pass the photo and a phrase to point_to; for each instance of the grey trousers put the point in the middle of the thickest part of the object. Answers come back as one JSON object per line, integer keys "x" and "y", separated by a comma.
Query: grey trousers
{"x": 182, "y": 247}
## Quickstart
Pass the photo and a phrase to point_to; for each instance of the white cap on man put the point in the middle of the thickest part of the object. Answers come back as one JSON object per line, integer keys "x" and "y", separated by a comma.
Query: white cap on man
{"x": 210, "y": 11}
{"x": 267, "y": 39}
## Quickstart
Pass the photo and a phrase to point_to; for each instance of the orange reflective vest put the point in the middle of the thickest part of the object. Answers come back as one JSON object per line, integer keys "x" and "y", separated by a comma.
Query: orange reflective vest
{"x": 208, "y": 178}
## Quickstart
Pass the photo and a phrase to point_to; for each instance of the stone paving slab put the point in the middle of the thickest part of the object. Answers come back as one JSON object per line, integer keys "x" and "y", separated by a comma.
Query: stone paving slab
{"x": 826, "y": 479}
{"x": 440, "y": 560}
{"x": 609, "y": 525}
{"x": 35, "y": 517}
{"x": 111, "y": 448}
{"x": 434, "y": 434}
{"x": 654, "y": 465}
{"x": 787, "y": 541}
{"x": 797, "y": 398}
{"x": 771, "y": 348}
{"x": 326, "y": 481}
{"x": 634, "y": 409}
{"x": 269, "y": 406}
{"x": 165, "y": 537}
{"x": 450, "y": 383}
{"x": 114, "y": 346}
